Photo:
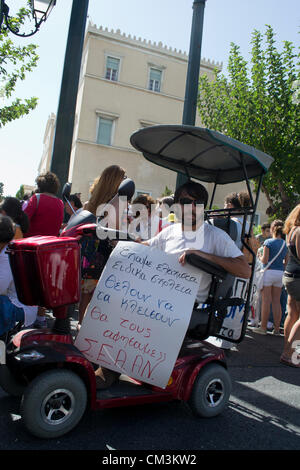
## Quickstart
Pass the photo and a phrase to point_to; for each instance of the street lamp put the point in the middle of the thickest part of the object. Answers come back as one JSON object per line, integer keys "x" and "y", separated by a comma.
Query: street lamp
{"x": 40, "y": 10}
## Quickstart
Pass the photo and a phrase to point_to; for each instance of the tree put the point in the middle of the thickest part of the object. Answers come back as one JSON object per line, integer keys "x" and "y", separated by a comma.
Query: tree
{"x": 258, "y": 106}
{"x": 15, "y": 62}
{"x": 167, "y": 192}
{"x": 1, "y": 190}
{"x": 20, "y": 193}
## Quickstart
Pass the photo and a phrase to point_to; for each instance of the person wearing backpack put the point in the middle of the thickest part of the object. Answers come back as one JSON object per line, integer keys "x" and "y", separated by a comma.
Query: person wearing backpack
{"x": 273, "y": 258}
{"x": 44, "y": 209}
{"x": 45, "y": 212}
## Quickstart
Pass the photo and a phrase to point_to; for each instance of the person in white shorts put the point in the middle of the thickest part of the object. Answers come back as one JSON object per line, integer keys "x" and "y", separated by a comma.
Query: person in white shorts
{"x": 274, "y": 248}
{"x": 273, "y": 277}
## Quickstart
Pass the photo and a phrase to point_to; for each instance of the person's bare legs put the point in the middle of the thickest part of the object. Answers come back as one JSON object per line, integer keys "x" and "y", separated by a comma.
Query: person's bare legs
{"x": 266, "y": 298}
{"x": 85, "y": 299}
{"x": 291, "y": 328}
{"x": 276, "y": 307}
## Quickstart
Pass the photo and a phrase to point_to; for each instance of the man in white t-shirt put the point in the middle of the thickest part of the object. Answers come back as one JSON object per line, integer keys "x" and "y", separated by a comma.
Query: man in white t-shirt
{"x": 192, "y": 235}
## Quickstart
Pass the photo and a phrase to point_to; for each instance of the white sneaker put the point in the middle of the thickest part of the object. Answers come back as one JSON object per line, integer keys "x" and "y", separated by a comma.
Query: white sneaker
{"x": 259, "y": 330}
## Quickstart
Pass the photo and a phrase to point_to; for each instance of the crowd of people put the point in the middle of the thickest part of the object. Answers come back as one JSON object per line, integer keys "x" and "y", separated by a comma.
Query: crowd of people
{"x": 277, "y": 248}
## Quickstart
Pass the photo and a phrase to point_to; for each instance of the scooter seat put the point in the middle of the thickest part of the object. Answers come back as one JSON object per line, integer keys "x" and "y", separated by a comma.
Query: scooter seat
{"x": 84, "y": 217}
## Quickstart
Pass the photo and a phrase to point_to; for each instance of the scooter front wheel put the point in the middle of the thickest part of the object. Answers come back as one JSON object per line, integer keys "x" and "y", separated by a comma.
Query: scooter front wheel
{"x": 53, "y": 403}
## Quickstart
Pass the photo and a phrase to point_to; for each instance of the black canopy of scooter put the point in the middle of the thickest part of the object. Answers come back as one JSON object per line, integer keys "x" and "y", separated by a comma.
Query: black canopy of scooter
{"x": 200, "y": 153}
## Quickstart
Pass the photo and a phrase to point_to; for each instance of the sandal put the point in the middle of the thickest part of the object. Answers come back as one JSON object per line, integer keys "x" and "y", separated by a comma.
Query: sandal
{"x": 276, "y": 333}
{"x": 287, "y": 361}
{"x": 105, "y": 378}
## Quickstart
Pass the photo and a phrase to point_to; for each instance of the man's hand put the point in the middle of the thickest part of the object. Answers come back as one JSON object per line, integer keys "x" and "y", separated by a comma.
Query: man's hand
{"x": 181, "y": 258}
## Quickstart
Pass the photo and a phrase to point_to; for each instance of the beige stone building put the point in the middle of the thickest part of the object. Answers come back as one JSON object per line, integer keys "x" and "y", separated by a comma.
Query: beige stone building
{"x": 47, "y": 144}
{"x": 126, "y": 83}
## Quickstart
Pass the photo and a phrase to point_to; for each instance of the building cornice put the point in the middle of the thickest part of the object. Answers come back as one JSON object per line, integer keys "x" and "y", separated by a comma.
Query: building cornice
{"x": 129, "y": 85}
{"x": 149, "y": 46}
{"x": 111, "y": 147}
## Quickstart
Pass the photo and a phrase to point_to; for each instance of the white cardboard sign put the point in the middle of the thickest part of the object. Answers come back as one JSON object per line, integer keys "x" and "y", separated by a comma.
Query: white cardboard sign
{"x": 139, "y": 313}
{"x": 233, "y": 322}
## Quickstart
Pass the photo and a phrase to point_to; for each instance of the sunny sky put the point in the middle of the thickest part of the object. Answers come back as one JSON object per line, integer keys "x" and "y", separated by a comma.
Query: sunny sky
{"x": 168, "y": 21}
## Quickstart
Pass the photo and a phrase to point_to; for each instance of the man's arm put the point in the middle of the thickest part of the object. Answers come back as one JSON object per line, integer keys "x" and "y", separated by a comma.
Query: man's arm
{"x": 236, "y": 266}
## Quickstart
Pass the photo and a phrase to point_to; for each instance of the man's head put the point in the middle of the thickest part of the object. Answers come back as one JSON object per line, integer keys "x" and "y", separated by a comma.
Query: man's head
{"x": 189, "y": 196}
{"x": 75, "y": 203}
{"x": 237, "y": 200}
{"x": 265, "y": 230}
{"x": 232, "y": 201}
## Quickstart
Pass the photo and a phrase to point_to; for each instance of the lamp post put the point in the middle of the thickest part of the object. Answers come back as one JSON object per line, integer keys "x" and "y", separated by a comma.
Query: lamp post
{"x": 68, "y": 93}
{"x": 192, "y": 78}
{"x": 40, "y": 10}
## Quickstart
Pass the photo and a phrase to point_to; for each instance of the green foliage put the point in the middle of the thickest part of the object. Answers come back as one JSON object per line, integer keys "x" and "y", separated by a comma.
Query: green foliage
{"x": 256, "y": 230}
{"x": 167, "y": 192}
{"x": 1, "y": 190}
{"x": 15, "y": 62}
{"x": 20, "y": 193}
{"x": 257, "y": 105}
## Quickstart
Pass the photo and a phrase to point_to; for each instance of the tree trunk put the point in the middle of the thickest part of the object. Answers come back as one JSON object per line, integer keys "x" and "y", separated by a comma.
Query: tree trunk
{"x": 271, "y": 208}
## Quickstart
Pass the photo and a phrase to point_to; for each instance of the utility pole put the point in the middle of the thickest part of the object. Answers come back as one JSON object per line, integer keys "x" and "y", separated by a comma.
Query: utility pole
{"x": 68, "y": 93}
{"x": 192, "y": 78}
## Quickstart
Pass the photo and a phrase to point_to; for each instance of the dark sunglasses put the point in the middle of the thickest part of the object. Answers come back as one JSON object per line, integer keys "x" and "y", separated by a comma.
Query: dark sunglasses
{"x": 185, "y": 200}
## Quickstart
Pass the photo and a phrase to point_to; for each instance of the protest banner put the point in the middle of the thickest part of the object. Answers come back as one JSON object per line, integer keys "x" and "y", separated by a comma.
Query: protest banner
{"x": 233, "y": 322}
{"x": 231, "y": 328}
{"x": 139, "y": 313}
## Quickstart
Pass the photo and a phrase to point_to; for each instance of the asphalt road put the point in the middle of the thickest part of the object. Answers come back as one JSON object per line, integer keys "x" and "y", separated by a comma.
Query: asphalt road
{"x": 263, "y": 414}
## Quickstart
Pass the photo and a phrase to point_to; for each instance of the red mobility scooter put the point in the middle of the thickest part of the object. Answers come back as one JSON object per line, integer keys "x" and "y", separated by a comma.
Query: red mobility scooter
{"x": 55, "y": 381}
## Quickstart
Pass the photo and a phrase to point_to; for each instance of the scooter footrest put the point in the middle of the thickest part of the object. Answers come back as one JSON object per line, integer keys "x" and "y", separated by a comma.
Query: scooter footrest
{"x": 123, "y": 388}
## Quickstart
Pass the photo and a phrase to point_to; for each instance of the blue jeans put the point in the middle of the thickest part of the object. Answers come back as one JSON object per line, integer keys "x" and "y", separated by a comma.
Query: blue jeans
{"x": 9, "y": 314}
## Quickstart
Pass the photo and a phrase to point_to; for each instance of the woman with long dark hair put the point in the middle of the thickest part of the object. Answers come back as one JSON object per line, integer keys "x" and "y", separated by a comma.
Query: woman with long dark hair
{"x": 12, "y": 207}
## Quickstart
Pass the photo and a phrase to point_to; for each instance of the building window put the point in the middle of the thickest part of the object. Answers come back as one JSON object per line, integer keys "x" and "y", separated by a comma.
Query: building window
{"x": 257, "y": 219}
{"x": 155, "y": 79}
{"x": 112, "y": 68}
{"x": 104, "y": 133}
{"x": 139, "y": 192}
{"x": 143, "y": 123}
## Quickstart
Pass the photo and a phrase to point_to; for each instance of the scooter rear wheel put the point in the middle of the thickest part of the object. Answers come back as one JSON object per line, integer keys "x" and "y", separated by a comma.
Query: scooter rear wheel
{"x": 53, "y": 403}
{"x": 211, "y": 391}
